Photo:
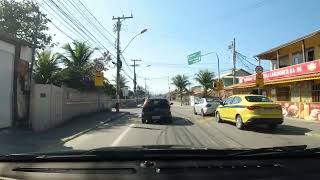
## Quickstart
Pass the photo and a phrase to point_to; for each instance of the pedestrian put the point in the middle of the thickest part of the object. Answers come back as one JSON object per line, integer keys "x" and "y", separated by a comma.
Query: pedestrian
{"x": 117, "y": 106}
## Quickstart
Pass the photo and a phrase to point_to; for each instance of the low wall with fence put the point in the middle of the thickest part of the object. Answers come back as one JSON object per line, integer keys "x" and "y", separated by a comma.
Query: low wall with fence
{"x": 52, "y": 105}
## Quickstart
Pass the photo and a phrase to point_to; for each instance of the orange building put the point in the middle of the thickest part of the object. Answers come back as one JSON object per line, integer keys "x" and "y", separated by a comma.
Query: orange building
{"x": 294, "y": 77}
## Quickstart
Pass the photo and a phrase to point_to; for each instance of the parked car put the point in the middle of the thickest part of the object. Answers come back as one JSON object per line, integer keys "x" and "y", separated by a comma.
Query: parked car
{"x": 156, "y": 110}
{"x": 250, "y": 109}
{"x": 206, "y": 106}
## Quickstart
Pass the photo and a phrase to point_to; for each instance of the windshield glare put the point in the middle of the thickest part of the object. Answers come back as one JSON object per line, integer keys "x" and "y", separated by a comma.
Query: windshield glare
{"x": 81, "y": 75}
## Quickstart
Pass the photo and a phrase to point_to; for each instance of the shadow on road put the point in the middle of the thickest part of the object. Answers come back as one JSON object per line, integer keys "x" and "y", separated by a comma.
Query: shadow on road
{"x": 179, "y": 121}
{"x": 281, "y": 130}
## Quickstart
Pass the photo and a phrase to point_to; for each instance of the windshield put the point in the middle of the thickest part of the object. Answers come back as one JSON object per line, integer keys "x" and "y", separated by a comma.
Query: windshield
{"x": 257, "y": 99}
{"x": 84, "y": 74}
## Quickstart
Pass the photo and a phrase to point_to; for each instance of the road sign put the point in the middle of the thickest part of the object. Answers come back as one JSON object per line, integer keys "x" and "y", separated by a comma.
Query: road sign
{"x": 259, "y": 80}
{"x": 194, "y": 57}
{"x": 259, "y": 69}
{"x": 125, "y": 91}
{"x": 99, "y": 66}
{"x": 219, "y": 85}
{"x": 98, "y": 79}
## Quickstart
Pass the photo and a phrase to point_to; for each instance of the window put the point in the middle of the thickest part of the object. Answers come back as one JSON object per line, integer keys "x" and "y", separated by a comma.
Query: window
{"x": 213, "y": 99}
{"x": 284, "y": 61}
{"x": 310, "y": 54}
{"x": 228, "y": 101}
{"x": 315, "y": 92}
{"x": 283, "y": 93}
{"x": 236, "y": 100}
{"x": 257, "y": 99}
{"x": 297, "y": 58}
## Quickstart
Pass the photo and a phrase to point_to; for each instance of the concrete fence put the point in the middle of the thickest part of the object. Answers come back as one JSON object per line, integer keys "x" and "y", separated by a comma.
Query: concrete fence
{"x": 52, "y": 105}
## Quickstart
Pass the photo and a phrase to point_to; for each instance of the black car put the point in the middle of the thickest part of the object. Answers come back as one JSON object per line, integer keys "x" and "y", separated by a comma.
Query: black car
{"x": 156, "y": 110}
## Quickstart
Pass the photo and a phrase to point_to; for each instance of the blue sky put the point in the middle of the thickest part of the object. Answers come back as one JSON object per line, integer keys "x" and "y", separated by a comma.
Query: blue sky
{"x": 178, "y": 28}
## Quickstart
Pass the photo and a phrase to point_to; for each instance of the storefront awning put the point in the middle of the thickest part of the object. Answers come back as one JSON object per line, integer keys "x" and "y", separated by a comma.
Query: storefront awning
{"x": 299, "y": 72}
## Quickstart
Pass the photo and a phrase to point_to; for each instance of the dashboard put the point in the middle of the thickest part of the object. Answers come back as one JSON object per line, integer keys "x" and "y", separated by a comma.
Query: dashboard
{"x": 307, "y": 168}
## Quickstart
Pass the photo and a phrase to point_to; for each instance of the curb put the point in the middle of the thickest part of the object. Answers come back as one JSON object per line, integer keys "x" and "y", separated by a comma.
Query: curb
{"x": 312, "y": 134}
{"x": 109, "y": 119}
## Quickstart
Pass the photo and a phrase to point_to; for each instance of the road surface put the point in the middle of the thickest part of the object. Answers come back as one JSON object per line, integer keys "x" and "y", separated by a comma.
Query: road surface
{"x": 189, "y": 129}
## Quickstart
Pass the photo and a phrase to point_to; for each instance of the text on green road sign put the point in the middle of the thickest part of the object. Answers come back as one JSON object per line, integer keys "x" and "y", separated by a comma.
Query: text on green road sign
{"x": 194, "y": 58}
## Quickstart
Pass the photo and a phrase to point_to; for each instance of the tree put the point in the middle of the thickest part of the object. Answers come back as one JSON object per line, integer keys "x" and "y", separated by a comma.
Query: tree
{"x": 109, "y": 89}
{"x": 79, "y": 67}
{"x": 122, "y": 83}
{"x": 20, "y": 19}
{"x": 204, "y": 78}
{"x": 140, "y": 91}
{"x": 181, "y": 82}
{"x": 46, "y": 69}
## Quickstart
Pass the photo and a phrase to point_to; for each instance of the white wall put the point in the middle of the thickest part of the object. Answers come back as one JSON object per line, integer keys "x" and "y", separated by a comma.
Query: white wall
{"x": 51, "y": 105}
{"x": 6, "y": 81}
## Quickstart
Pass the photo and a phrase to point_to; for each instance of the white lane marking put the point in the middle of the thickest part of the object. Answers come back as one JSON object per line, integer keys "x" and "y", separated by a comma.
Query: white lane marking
{"x": 122, "y": 135}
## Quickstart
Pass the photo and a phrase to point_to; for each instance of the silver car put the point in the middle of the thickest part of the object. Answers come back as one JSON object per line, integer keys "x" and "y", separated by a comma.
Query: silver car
{"x": 206, "y": 106}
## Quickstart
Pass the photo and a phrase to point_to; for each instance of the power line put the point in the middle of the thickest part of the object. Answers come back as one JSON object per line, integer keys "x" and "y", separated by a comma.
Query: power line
{"x": 65, "y": 12}
{"x": 86, "y": 18}
{"x": 97, "y": 20}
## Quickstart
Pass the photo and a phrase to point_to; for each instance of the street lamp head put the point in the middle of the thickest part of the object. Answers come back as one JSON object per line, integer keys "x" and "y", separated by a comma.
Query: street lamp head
{"x": 143, "y": 31}
{"x": 148, "y": 65}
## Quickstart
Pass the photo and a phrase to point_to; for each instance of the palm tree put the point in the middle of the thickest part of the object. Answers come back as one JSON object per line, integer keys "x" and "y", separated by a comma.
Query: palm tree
{"x": 46, "y": 69}
{"x": 123, "y": 81}
{"x": 204, "y": 78}
{"x": 181, "y": 82}
{"x": 77, "y": 59}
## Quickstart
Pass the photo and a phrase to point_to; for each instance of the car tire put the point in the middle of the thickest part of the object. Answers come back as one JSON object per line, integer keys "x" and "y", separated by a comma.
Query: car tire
{"x": 194, "y": 111}
{"x": 143, "y": 121}
{"x": 218, "y": 118}
{"x": 273, "y": 126}
{"x": 239, "y": 122}
{"x": 202, "y": 113}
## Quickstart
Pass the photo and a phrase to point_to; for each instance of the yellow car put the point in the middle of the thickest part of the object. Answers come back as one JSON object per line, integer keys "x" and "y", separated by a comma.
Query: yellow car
{"x": 249, "y": 109}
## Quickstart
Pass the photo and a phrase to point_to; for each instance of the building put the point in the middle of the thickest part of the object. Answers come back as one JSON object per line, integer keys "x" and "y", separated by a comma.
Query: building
{"x": 294, "y": 77}
{"x": 15, "y": 56}
{"x": 227, "y": 77}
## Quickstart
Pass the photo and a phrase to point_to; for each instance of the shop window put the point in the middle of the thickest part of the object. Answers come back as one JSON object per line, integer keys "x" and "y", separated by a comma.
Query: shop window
{"x": 310, "y": 54}
{"x": 315, "y": 93}
{"x": 284, "y": 61}
{"x": 283, "y": 93}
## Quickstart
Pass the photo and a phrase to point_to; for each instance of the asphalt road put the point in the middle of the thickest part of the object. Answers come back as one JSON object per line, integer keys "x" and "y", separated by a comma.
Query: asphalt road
{"x": 189, "y": 129}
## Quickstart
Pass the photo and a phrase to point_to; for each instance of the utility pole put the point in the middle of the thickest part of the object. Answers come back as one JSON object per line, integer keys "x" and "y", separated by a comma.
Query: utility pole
{"x": 34, "y": 46}
{"x": 169, "y": 88}
{"x": 135, "y": 77}
{"x": 234, "y": 60}
{"x": 119, "y": 63}
{"x": 145, "y": 87}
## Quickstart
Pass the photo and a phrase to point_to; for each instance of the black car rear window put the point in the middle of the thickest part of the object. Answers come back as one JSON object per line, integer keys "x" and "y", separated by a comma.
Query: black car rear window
{"x": 257, "y": 99}
{"x": 161, "y": 103}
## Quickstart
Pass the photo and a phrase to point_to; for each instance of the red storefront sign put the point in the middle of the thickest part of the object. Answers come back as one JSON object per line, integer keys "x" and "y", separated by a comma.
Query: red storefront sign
{"x": 294, "y": 70}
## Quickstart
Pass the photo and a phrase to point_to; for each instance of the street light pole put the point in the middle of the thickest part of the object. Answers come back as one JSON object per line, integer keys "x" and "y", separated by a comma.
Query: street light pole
{"x": 143, "y": 31}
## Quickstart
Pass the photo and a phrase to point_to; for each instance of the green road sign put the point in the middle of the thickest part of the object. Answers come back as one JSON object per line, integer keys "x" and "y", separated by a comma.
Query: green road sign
{"x": 194, "y": 58}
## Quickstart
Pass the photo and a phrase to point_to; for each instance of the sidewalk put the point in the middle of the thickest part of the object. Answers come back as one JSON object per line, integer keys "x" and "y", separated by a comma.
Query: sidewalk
{"x": 23, "y": 141}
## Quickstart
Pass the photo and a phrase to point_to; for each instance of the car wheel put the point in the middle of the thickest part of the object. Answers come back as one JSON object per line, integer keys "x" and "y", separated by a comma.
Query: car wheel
{"x": 273, "y": 126}
{"x": 143, "y": 121}
{"x": 194, "y": 111}
{"x": 202, "y": 113}
{"x": 218, "y": 118}
{"x": 239, "y": 122}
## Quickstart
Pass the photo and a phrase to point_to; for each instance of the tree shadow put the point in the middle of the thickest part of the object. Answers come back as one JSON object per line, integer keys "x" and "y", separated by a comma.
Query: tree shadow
{"x": 27, "y": 141}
